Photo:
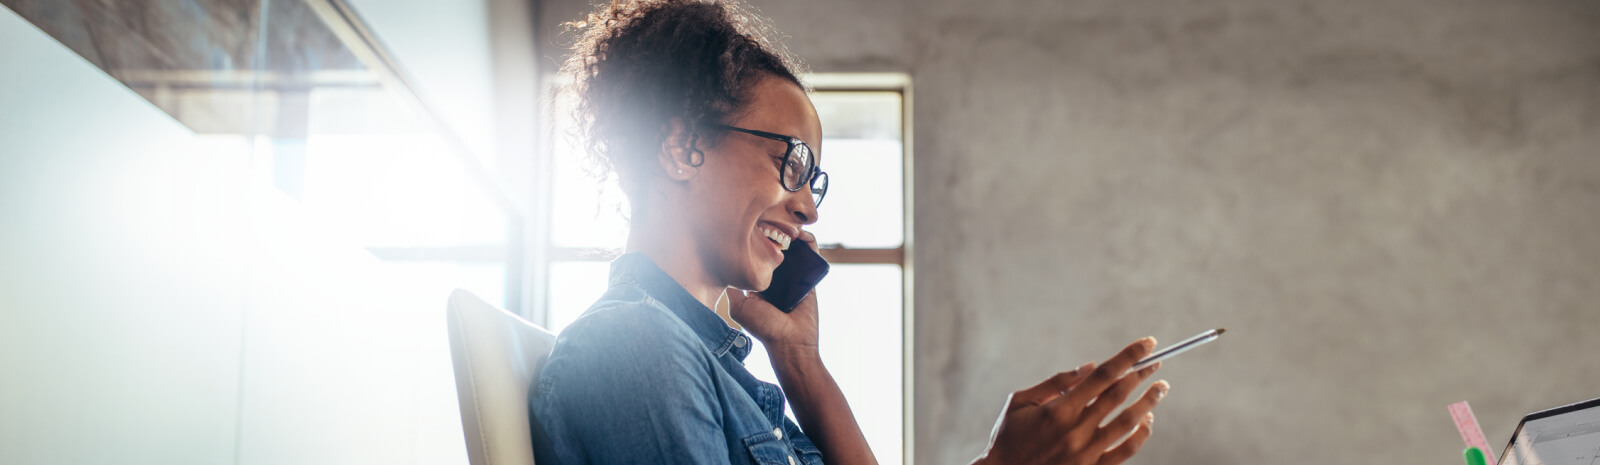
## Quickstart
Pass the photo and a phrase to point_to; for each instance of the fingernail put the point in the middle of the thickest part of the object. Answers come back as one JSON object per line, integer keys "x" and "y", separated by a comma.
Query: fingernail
{"x": 1085, "y": 366}
{"x": 1150, "y": 342}
{"x": 1161, "y": 389}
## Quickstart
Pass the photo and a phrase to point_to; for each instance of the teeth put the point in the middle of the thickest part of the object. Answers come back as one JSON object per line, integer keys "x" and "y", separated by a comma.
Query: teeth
{"x": 781, "y": 238}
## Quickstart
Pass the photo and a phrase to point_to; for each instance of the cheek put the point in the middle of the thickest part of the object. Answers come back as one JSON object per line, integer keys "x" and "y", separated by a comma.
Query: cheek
{"x": 736, "y": 196}
{"x": 727, "y": 214}
{"x": 724, "y": 212}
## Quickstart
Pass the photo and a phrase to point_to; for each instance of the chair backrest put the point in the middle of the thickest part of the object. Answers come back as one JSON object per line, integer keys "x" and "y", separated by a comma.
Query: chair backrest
{"x": 496, "y": 356}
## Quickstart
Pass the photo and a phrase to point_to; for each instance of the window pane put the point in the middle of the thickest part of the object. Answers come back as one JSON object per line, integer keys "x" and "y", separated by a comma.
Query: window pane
{"x": 429, "y": 283}
{"x": 865, "y": 161}
{"x": 585, "y": 210}
{"x": 370, "y": 177}
{"x": 574, "y": 286}
{"x": 395, "y": 190}
{"x": 864, "y": 207}
{"x": 861, "y": 340}
{"x": 859, "y": 115}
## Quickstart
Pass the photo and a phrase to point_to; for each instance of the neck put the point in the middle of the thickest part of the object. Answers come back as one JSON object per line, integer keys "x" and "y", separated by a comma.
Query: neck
{"x": 674, "y": 252}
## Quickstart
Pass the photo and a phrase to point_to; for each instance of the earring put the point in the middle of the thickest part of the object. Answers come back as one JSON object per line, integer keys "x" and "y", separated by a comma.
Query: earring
{"x": 680, "y": 171}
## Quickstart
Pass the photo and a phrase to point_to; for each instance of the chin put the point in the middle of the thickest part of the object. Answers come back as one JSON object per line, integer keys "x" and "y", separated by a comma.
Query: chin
{"x": 761, "y": 285}
{"x": 760, "y": 277}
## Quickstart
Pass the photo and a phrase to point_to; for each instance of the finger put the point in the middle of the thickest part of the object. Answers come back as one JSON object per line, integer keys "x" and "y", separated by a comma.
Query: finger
{"x": 1050, "y": 388}
{"x": 1130, "y": 418}
{"x": 1113, "y": 397}
{"x": 738, "y": 297}
{"x": 807, "y": 237}
{"x": 1109, "y": 372}
{"x": 808, "y": 306}
{"x": 742, "y": 303}
{"x": 1129, "y": 446}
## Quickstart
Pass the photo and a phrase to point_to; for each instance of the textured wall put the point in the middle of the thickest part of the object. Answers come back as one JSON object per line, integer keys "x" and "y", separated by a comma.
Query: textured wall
{"x": 1393, "y": 205}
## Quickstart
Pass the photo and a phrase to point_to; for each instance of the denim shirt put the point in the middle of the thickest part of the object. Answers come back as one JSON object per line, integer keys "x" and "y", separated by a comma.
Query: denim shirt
{"x": 650, "y": 375}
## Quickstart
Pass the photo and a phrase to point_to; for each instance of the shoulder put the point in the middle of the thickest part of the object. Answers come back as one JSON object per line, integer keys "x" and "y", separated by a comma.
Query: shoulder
{"x": 624, "y": 382}
{"x": 629, "y": 338}
{"x": 624, "y": 324}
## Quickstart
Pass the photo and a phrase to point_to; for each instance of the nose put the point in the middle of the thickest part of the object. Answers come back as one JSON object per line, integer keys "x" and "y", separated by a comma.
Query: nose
{"x": 803, "y": 207}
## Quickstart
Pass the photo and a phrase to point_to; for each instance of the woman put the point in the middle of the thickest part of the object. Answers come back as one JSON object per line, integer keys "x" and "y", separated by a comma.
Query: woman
{"x": 710, "y": 133}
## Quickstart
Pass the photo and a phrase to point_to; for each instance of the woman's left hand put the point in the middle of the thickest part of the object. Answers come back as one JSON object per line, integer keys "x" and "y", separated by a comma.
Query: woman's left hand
{"x": 778, "y": 331}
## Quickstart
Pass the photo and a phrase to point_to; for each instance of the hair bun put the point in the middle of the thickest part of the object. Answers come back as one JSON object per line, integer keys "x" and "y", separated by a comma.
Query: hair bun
{"x": 636, "y": 65}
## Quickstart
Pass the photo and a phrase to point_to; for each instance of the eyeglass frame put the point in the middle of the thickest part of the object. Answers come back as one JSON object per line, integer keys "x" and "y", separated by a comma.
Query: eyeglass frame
{"x": 810, "y": 178}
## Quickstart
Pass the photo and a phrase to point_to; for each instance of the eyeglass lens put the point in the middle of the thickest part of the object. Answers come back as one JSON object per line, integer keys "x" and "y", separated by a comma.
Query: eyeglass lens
{"x": 798, "y": 170}
{"x": 797, "y": 167}
{"x": 819, "y": 188}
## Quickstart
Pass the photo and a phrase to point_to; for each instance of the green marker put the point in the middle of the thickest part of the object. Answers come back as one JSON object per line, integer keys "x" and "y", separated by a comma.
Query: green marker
{"x": 1475, "y": 456}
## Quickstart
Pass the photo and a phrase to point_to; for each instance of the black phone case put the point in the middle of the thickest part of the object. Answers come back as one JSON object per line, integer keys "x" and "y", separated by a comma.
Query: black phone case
{"x": 801, "y": 270}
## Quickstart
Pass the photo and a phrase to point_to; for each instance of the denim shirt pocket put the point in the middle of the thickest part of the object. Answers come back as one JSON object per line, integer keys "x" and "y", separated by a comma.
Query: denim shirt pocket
{"x": 809, "y": 453}
{"x": 768, "y": 449}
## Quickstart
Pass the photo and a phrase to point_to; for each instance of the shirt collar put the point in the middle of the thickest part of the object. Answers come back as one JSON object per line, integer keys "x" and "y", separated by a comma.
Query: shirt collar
{"x": 638, "y": 269}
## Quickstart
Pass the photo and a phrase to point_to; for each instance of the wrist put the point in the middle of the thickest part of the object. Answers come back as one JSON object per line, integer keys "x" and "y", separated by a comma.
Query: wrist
{"x": 794, "y": 354}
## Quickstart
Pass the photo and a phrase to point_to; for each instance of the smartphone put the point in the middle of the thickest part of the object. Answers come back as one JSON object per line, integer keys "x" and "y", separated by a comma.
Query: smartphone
{"x": 1179, "y": 348}
{"x": 801, "y": 270}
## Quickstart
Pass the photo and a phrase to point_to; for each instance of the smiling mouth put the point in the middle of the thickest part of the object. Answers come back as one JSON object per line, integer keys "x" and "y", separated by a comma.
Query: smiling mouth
{"x": 776, "y": 237}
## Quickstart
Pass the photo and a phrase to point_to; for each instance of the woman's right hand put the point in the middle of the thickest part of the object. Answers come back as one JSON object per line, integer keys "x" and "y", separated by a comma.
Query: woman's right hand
{"x": 1058, "y": 421}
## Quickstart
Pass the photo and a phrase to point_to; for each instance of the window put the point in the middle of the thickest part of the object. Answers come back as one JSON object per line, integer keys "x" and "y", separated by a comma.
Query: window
{"x": 862, "y": 230}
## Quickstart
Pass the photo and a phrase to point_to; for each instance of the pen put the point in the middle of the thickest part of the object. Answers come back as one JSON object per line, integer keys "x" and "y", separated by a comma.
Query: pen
{"x": 1179, "y": 348}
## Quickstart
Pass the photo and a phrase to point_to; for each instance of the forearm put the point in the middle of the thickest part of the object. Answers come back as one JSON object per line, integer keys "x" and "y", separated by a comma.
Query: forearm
{"x": 820, "y": 407}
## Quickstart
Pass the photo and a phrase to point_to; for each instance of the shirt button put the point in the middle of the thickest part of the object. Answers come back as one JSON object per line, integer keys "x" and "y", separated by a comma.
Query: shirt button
{"x": 778, "y": 432}
{"x": 791, "y": 460}
{"x": 739, "y": 341}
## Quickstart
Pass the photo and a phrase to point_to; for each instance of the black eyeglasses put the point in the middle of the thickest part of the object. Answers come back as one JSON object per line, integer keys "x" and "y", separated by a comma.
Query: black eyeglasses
{"x": 799, "y": 165}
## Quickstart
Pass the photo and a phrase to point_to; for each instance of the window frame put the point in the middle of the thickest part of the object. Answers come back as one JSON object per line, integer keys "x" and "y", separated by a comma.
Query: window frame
{"x": 902, "y": 256}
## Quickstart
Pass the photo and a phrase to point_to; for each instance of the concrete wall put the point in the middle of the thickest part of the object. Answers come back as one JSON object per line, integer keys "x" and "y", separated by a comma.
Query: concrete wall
{"x": 1392, "y": 206}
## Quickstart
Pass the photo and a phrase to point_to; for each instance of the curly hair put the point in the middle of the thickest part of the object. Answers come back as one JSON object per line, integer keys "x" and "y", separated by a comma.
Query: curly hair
{"x": 638, "y": 64}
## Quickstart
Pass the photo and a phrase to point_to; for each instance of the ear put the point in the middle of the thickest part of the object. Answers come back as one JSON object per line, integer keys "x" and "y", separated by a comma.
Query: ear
{"x": 675, "y": 154}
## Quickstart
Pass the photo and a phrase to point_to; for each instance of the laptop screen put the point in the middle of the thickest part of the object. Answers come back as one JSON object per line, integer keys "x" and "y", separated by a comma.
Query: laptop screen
{"x": 1567, "y": 435}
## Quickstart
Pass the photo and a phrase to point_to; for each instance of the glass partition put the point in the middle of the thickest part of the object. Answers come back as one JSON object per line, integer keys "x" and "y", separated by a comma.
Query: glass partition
{"x": 232, "y": 227}
{"x": 333, "y": 122}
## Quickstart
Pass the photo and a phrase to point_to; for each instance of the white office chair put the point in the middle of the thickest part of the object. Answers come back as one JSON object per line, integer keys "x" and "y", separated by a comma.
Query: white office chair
{"x": 496, "y": 356}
